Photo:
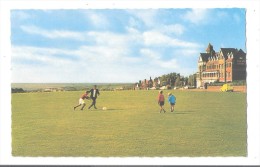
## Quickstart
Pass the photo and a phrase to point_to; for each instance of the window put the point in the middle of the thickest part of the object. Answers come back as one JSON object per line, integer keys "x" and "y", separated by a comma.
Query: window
{"x": 229, "y": 65}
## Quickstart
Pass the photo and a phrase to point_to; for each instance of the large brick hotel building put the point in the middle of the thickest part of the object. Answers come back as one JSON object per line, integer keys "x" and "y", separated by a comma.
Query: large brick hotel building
{"x": 227, "y": 65}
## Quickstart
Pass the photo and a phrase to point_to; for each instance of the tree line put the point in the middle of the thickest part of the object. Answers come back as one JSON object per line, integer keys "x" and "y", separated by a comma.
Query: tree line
{"x": 173, "y": 80}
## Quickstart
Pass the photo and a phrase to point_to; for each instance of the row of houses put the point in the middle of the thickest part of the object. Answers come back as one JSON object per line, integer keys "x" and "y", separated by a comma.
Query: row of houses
{"x": 146, "y": 84}
{"x": 227, "y": 65}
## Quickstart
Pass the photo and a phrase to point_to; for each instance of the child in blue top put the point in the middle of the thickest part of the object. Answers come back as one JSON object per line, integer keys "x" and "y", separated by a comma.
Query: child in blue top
{"x": 171, "y": 100}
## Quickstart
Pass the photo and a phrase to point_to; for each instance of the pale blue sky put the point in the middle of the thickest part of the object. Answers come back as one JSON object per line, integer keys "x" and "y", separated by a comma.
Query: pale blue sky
{"x": 117, "y": 45}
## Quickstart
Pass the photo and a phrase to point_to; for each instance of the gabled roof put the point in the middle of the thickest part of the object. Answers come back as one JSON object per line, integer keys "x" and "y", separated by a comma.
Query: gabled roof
{"x": 241, "y": 53}
{"x": 225, "y": 51}
{"x": 236, "y": 53}
{"x": 204, "y": 56}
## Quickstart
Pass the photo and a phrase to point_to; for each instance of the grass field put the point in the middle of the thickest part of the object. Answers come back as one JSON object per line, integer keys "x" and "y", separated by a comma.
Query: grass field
{"x": 204, "y": 124}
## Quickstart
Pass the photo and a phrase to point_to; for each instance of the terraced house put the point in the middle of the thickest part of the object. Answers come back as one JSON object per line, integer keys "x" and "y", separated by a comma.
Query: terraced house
{"x": 227, "y": 65}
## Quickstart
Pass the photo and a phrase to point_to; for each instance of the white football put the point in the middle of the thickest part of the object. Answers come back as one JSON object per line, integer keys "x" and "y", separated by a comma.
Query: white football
{"x": 104, "y": 108}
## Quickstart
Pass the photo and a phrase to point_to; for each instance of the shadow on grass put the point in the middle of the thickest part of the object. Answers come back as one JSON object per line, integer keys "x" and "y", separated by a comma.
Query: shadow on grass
{"x": 183, "y": 112}
{"x": 108, "y": 109}
{"x": 114, "y": 109}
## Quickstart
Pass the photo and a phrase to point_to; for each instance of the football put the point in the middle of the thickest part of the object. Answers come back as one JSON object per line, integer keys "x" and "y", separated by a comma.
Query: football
{"x": 104, "y": 108}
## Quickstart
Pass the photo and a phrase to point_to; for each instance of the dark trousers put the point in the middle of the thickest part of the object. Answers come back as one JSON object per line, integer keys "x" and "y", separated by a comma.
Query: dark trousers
{"x": 93, "y": 102}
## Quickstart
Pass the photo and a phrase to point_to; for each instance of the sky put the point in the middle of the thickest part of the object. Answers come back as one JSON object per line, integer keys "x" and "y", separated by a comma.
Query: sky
{"x": 117, "y": 45}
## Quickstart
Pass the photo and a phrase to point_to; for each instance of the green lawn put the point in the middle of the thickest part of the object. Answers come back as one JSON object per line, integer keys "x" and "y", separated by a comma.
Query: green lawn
{"x": 204, "y": 124}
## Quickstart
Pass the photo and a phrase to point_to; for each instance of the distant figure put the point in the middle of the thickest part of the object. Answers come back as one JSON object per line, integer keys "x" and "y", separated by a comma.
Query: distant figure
{"x": 171, "y": 100}
{"x": 206, "y": 86}
{"x": 93, "y": 95}
{"x": 161, "y": 101}
{"x": 81, "y": 101}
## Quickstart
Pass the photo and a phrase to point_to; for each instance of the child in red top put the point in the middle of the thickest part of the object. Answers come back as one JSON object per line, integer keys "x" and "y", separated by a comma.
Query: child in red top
{"x": 81, "y": 101}
{"x": 161, "y": 101}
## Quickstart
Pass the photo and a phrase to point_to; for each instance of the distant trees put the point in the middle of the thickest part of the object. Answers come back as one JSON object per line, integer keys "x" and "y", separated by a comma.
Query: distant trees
{"x": 178, "y": 81}
{"x": 150, "y": 82}
{"x": 192, "y": 80}
{"x": 17, "y": 90}
{"x": 170, "y": 80}
{"x": 156, "y": 82}
{"x": 174, "y": 80}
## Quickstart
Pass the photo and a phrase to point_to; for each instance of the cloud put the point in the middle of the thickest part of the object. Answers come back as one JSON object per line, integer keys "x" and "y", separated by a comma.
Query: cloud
{"x": 154, "y": 56}
{"x": 155, "y": 59}
{"x": 19, "y": 15}
{"x": 197, "y": 16}
{"x": 147, "y": 17}
{"x": 98, "y": 20}
{"x": 135, "y": 23}
{"x": 46, "y": 56}
{"x": 108, "y": 38}
{"x": 177, "y": 29}
{"x": 223, "y": 16}
{"x": 187, "y": 52}
{"x": 102, "y": 56}
{"x": 151, "y": 21}
{"x": 132, "y": 30}
{"x": 53, "y": 34}
{"x": 159, "y": 39}
{"x": 95, "y": 19}
{"x": 87, "y": 63}
{"x": 95, "y": 37}
{"x": 109, "y": 56}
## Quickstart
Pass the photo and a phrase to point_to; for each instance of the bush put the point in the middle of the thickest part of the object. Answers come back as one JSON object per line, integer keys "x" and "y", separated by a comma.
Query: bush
{"x": 239, "y": 83}
{"x": 234, "y": 83}
{"x": 17, "y": 90}
{"x": 216, "y": 84}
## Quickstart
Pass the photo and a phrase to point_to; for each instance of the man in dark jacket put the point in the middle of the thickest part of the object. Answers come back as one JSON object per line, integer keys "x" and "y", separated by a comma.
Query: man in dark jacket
{"x": 93, "y": 95}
